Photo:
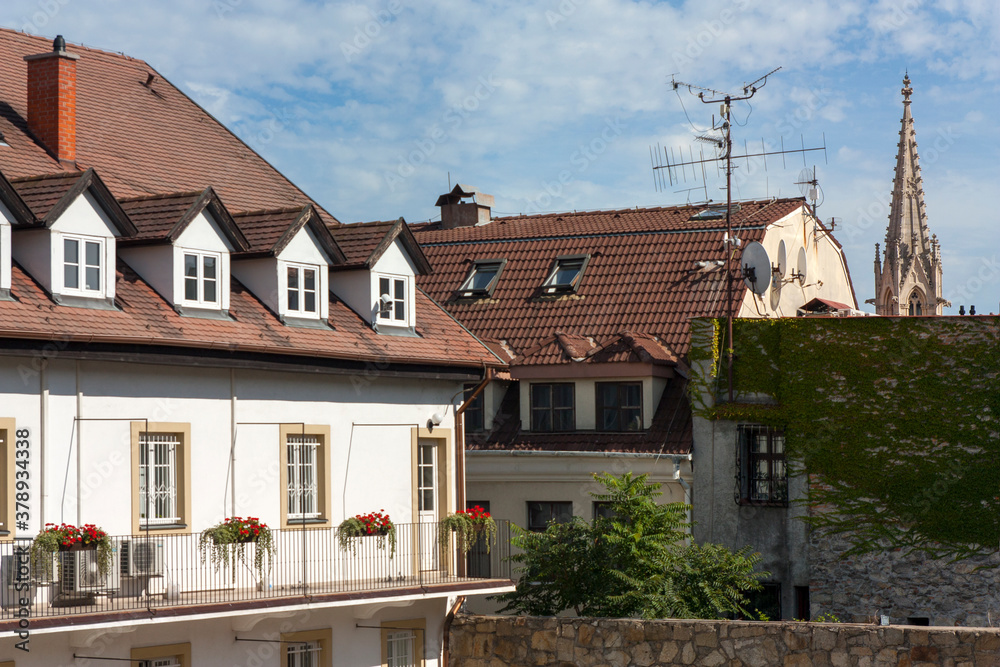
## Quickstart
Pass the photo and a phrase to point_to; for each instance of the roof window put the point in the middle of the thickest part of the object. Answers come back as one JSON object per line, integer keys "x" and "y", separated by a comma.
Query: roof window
{"x": 717, "y": 212}
{"x": 482, "y": 278}
{"x": 566, "y": 274}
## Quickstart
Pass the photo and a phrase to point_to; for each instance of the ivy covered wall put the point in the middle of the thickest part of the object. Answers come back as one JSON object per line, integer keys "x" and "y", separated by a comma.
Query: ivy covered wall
{"x": 896, "y": 419}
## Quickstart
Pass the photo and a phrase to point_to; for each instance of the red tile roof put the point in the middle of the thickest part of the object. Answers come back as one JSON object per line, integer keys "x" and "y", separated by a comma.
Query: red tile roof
{"x": 146, "y": 319}
{"x": 144, "y": 140}
{"x": 155, "y": 217}
{"x": 364, "y": 243}
{"x": 641, "y": 278}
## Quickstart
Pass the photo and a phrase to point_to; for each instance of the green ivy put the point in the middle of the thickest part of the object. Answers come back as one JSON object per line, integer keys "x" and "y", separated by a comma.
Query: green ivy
{"x": 897, "y": 419}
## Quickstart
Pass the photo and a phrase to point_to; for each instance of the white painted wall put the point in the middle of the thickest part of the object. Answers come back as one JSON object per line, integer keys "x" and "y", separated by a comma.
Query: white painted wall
{"x": 85, "y": 216}
{"x": 155, "y": 265}
{"x": 213, "y": 640}
{"x": 355, "y": 289}
{"x": 370, "y": 419}
{"x": 260, "y": 277}
{"x": 5, "y": 256}
{"x": 202, "y": 234}
{"x": 33, "y": 251}
{"x": 824, "y": 263}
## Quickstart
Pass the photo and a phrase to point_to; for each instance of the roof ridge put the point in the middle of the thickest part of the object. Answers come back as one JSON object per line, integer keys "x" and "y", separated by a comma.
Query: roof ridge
{"x": 635, "y": 209}
{"x": 264, "y": 211}
{"x": 91, "y": 49}
{"x": 165, "y": 195}
{"x": 42, "y": 177}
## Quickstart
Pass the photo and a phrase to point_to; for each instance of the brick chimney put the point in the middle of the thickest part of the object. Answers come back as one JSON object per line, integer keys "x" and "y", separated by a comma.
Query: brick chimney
{"x": 52, "y": 100}
{"x": 455, "y": 212}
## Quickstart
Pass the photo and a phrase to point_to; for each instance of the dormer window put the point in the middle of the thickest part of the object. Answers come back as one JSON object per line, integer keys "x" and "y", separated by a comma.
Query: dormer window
{"x": 301, "y": 291}
{"x": 565, "y": 274}
{"x": 201, "y": 279}
{"x": 483, "y": 278}
{"x": 82, "y": 265}
{"x": 392, "y": 300}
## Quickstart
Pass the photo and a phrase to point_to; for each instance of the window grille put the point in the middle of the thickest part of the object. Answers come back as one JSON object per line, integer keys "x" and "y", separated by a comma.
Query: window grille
{"x": 761, "y": 468}
{"x": 303, "y": 476}
{"x": 158, "y": 462}
{"x": 303, "y": 654}
{"x": 400, "y": 649}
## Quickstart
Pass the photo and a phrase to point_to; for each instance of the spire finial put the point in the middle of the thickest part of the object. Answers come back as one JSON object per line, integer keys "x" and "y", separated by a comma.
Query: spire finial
{"x": 907, "y": 91}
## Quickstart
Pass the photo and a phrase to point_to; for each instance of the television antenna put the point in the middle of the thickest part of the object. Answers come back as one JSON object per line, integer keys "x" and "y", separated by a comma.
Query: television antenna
{"x": 720, "y": 136}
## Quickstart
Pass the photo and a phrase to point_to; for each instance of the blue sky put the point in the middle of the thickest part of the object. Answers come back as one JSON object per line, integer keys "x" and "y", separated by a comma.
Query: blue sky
{"x": 554, "y": 104}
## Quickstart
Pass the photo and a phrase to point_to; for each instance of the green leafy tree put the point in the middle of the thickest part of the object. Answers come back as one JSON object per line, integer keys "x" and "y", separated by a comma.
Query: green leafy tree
{"x": 635, "y": 563}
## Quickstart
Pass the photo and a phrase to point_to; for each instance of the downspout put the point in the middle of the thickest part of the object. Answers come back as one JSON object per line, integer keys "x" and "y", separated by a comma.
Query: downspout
{"x": 687, "y": 489}
{"x": 446, "y": 638}
{"x": 43, "y": 418}
{"x": 232, "y": 436}
{"x": 79, "y": 458}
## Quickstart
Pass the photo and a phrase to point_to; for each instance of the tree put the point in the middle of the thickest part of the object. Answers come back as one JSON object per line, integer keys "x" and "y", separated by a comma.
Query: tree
{"x": 634, "y": 563}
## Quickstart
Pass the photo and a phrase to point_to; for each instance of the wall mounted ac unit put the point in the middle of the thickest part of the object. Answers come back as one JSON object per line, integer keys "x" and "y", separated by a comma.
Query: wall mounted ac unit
{"x": 142, "y": 558}
{"x": 79, "y": 572}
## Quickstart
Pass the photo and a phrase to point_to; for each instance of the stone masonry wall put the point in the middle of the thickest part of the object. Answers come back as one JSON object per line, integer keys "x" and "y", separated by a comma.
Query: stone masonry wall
{"x": 902, "y": 586}
{"x": 502, "y": 641}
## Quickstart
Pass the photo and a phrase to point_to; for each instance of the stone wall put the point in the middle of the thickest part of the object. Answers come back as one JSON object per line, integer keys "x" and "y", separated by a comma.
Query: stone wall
{"x": 499, "y": 641}
{"x": 902, "y": 586}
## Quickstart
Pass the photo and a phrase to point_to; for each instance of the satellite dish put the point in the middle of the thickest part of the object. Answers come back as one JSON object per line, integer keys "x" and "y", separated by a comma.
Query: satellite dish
{"x": 778, "y": 271}
{"x": 756, "y": 268}
{"x": 800, "y": 266}
{"x": 806, "y": 177}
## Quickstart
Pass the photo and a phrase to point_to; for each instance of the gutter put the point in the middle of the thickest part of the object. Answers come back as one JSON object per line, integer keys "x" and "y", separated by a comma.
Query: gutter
{"x": 448, "y": 620}
{"x": 677, "y": 458}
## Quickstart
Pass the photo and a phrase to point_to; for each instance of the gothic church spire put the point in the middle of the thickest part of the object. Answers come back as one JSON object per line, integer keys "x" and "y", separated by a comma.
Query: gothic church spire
{"x": 908, "y": 282}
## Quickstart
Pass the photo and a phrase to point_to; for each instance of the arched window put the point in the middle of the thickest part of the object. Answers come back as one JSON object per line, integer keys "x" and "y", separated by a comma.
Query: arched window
{"x": 916, "y": 303}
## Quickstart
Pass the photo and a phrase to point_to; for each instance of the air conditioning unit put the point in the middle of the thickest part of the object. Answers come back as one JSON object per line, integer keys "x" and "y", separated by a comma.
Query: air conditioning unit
{"x": 142, "y": 558}
{"x": 79, "y": 572}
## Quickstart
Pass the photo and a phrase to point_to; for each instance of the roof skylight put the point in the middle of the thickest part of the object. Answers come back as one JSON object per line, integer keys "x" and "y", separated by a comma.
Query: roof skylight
{"x": 482, "y": 278}
{"x": 565, "y": 274}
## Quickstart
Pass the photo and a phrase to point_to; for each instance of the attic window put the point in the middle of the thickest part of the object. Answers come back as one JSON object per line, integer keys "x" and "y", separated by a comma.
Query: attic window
{"x": 713, "y": 213}
{"x": 483, "y": 278}
{"x": 566, "y": 274}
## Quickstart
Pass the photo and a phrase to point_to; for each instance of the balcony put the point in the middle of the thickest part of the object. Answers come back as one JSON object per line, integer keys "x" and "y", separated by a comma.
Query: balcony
{"x": 169, "y": 575}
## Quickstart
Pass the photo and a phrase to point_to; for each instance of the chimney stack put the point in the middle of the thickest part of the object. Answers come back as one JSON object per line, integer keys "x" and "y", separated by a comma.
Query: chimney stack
{"x": 458, "y": 213}
{"x": 52, "y": 100}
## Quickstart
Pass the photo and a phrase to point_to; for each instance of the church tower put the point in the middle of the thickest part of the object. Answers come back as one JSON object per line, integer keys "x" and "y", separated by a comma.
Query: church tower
{"x": 908, "y": 280}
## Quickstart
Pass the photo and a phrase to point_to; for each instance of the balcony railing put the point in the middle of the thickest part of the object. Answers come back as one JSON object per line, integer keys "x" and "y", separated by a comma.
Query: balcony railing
{"x": 151, "y": 573}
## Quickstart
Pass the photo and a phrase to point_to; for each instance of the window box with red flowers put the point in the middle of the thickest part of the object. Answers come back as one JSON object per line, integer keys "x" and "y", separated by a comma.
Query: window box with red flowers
{"x": 373, "y": 524}
{"x": 469, "y": 526}
{"x": 66, "y": 537}
{"x": 228, "y": 541}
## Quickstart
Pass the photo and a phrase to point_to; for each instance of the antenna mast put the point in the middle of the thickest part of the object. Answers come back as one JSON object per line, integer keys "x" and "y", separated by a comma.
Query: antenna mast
{"x": 729, "y": 243}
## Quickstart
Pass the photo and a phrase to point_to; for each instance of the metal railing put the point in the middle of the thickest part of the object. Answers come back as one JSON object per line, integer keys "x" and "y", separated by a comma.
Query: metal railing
{"x": 152, "y": 572}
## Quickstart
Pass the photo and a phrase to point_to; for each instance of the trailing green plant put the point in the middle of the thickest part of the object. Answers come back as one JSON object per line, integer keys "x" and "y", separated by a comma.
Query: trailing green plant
{"x": 896, "y": 421}
{"x": 635, "y": 562}
{"x": 62, "y": 537}
{"x": 469, "y": 526}
{"x": 228, "y": 541}
{"x": 826, "y": 617}
{"x": 373, "y": 524}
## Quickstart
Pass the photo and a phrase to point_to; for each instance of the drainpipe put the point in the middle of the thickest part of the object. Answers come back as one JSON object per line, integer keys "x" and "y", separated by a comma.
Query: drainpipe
{"x": 684, "y": 485}
{"x": 446, "y": 638}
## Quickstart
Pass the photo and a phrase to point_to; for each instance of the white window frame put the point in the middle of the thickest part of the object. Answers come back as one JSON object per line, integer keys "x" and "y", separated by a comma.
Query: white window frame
{"x": 303, "y": 654}
{"x": 200, "y": 278}
{"x": 82, "y": 265}
{"x": 300, "y": 290}
{"x": 303, "y": 457}
{"x": 152, "y": 464}
{"x": 406, "y": 640}
{"x": 388, "y": 312}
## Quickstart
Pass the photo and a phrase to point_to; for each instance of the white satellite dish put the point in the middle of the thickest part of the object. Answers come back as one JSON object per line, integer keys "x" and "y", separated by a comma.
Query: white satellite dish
{"x": 801, "y": 267}
{"x": 756, "y": 267}
{"x": 778, "y": 271}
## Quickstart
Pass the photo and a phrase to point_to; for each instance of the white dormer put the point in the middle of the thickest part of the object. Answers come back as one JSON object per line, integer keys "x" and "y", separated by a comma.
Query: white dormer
{"x": 183, "y": 249}
{"x": 288, "y": 263}
{"x": 69, "y": 246}
{"x": 5, "y": 260}
{"x": 394, "y": 286}
{"x": 378, "y": 280}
